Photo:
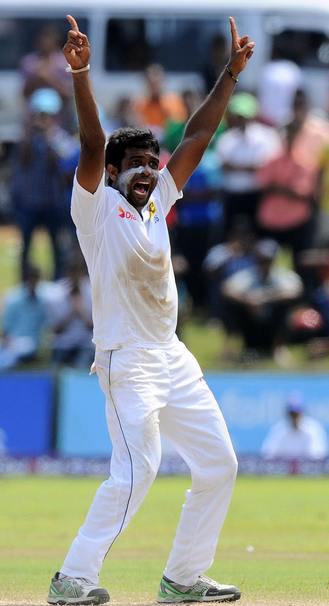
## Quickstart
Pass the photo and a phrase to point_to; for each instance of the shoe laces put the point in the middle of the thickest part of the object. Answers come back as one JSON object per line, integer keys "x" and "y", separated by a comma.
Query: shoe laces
{"x": 85, "y": 581}
{"x": 209, "y": 581}
{"x": 76, "y": 580}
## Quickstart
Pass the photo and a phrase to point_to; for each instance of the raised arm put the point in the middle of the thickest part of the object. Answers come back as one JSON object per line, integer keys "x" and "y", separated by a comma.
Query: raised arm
{"x": 92, "y": 137}
{"x": 203, "y": 123}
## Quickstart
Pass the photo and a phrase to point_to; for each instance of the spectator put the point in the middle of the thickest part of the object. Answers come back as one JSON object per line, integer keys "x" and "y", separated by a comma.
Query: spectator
{"x": 310, "y": 149}
{"x": 24, "y": 319}
{"x": 223, "y": 261}
{"x": 158, "y": 106}
{"x": 124, "y": 114}
{"x": 278, "y": 83}
{"x": 174, "y": 128}
{"x": 45, "y": 68}
{"x": 71, "y": 320}
{"x": 242, "y": 150}
{"x": 312, "y": 132}
{"x": 217, "y": 57}
{"x": 199, "y": 225}
{"x": 317, "y": 261}
{"x": 287, "y": 208}
{"x": 259, "y": 299}
{"x": 38, "y": 183}
{"x": 297, "y": 436}
{"x": 199, "y": 216}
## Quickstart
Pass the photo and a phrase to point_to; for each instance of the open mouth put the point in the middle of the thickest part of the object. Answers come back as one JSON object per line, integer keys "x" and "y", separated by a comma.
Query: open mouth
{"x": 141, "y": 188}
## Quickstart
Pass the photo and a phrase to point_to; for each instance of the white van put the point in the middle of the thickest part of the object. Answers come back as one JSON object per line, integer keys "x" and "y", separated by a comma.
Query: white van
{"x": 125, "y": 35}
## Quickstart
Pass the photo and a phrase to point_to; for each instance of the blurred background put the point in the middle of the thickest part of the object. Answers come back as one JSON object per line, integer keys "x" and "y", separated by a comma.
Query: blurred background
{"x": 250, "y": 239}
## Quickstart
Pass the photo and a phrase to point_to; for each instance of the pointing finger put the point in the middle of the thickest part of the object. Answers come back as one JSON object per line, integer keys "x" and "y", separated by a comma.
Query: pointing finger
{"x": 234, "y": 33}
{"x": 72, "y": 23}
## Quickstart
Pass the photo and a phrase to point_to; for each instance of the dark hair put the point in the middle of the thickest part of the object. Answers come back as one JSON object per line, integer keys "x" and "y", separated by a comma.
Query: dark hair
{"x": 123, "y": 138}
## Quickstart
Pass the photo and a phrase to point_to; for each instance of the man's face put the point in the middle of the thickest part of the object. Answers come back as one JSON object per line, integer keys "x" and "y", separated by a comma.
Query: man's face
{"x": 138, "y": 176}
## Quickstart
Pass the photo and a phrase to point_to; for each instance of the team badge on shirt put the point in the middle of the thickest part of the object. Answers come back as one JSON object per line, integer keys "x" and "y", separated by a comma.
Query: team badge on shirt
{"x": 152, "y": 210}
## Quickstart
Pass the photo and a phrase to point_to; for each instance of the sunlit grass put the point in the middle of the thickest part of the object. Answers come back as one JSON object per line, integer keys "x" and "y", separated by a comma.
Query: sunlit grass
{"x": 274, "y": 543}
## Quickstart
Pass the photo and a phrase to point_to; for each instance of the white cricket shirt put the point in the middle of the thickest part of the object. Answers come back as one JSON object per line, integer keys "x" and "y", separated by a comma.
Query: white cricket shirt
{"x": 128, "y": 258}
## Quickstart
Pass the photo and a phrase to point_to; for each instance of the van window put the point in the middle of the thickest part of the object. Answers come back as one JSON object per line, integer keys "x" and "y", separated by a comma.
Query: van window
{"x": 178, "y": 44}
{"x": 18, "y": 37}
{"x": 306, "y": 48}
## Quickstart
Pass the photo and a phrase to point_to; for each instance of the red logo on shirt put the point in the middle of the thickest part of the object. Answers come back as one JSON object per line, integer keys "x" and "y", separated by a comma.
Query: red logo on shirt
{"x": 126, "y": 214}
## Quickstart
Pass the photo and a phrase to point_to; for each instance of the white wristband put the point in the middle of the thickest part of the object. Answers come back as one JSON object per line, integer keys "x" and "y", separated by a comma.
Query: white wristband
{"x": 77, "y": 71}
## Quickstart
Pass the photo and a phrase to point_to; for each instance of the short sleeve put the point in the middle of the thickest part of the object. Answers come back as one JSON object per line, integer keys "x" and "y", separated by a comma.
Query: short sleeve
{"x": 166, "y": 191}
{"x": 89, "y": 211}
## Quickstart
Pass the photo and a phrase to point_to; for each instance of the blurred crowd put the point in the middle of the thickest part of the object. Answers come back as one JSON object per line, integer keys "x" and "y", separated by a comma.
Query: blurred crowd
{"x": 250, "y": 238}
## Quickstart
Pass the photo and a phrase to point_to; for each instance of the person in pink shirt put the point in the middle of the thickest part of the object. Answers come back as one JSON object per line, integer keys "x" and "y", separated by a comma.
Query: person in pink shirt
{"x": 288, "y": 206}
{"x": 312, "y": 135}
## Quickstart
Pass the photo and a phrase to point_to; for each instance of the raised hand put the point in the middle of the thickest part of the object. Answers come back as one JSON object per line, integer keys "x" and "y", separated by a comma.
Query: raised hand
{"x": 241, "y": 50}
{"x": 76, "y": 49}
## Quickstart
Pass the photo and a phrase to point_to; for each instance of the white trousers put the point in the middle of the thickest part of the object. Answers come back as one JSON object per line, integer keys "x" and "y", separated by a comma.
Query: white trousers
{"x": 148, "y": 389}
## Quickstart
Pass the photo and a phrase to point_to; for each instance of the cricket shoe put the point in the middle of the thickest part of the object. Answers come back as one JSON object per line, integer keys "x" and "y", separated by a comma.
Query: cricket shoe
{"x": 68, "y": 590}
{"x": 204, "y": 590}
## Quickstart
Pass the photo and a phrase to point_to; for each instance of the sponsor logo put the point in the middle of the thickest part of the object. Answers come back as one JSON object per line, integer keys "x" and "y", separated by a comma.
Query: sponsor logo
{"x": 126, "y": 214}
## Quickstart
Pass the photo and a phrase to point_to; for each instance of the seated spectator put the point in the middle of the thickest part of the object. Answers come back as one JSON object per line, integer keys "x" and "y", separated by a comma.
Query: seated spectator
{"x": 223, "y": 261}
{"x": 297, "y": 436}
{"x": 242, "y": 150}
{"x": 317, "y": 262}
{"x": 259, "y": 298}
{"x": 38, "y": 178}
{"x": 71, "y": 320}
{"x": 24, "y": 320}
{"x": 158, "y": 105}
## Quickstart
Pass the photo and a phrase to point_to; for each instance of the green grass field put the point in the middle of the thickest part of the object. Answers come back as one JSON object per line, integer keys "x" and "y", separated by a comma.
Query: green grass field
{"x": 274, "y": 544}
